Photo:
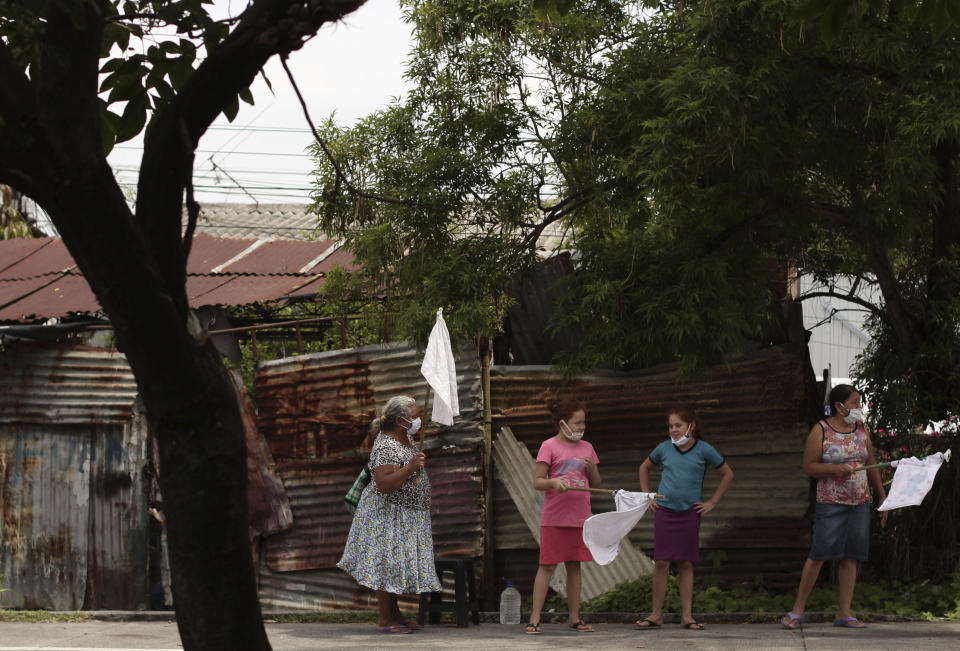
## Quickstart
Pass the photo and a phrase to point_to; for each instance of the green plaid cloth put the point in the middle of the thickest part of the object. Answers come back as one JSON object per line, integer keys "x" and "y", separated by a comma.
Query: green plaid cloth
{"x": 352, "y": 498}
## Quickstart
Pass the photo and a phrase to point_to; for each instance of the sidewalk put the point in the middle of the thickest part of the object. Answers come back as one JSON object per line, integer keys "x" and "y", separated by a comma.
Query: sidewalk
{"x": 162, "y": 636}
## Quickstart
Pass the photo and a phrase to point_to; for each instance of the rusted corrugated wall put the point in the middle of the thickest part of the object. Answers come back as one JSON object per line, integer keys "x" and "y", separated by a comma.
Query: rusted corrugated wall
{"x": 72, "y": 450}
{"x": 752, "y": 411}
{"x": 315, "y": 411}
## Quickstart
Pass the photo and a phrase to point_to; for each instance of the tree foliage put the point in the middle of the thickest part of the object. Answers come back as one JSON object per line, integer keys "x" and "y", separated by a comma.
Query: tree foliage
{"x": 691, "y": 148}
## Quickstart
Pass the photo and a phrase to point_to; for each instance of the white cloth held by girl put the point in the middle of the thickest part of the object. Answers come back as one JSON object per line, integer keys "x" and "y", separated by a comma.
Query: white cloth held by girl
{"x": 602, "y": 532}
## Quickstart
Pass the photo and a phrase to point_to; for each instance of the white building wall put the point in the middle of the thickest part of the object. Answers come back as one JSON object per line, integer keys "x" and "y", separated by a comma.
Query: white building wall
{"x": 836, "y": 326}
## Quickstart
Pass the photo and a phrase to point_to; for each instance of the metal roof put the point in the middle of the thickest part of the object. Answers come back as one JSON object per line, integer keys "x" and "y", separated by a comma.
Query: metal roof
{"x": 265, "y": 221}
{"x": 39, "y": 279}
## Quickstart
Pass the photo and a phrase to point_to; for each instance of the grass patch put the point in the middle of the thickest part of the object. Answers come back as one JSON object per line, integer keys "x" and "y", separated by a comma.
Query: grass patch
{"x": 42, "y": 616}
{"x": 935, "y": 602}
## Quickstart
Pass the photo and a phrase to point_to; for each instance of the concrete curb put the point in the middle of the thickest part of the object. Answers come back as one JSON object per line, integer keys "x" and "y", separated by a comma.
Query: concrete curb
{"x": 487, "y": 617}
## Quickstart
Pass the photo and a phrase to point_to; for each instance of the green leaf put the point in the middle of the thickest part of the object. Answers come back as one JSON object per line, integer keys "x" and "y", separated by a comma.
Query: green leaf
{"x": 231, "y": 109}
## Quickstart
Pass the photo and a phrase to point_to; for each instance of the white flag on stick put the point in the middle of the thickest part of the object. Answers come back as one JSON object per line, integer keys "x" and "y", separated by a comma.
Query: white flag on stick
{"x": 912, "y": 480}
{"x": 602, "y": 532}
{"x": 440, "y": 370}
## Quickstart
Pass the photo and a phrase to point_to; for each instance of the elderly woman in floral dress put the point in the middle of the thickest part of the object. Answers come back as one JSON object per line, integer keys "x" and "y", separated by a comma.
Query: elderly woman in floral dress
{"x": 390, "y": 546}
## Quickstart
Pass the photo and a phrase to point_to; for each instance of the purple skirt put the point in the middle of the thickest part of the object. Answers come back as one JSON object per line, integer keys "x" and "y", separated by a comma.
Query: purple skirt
{"x": 676, "y": 535}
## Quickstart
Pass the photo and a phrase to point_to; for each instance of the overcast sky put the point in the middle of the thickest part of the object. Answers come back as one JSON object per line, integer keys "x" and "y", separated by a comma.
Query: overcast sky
{"x": 351, "y": 68}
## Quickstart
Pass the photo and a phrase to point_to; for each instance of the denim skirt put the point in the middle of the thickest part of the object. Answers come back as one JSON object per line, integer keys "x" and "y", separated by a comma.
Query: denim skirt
{"x": 841, "y": 531}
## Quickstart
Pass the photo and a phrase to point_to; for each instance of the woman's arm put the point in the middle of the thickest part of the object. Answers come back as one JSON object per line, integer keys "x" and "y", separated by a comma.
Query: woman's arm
{"x": 812, "y": 453}
{"x": 645, "y": 469}
{"x": 876, "y": 481}
{"x": 726, "y": 478}
{"x": 541, "y": 483}
{"x": 390, "y": 477}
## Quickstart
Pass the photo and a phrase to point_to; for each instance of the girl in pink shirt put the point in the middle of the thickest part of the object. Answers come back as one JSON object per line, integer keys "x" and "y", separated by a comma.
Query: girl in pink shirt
{"x": 564, "y": 461}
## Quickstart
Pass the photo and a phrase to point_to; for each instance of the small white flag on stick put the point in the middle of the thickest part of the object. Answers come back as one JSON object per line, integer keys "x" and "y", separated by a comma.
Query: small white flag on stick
{"x": 602, "y": 532}
{"x": 912, "y": 480}
{"x": 440, "y": 370}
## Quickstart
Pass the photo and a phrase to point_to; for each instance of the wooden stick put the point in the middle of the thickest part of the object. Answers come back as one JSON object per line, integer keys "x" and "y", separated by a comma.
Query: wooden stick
{"x": 876, "y": 465}
{"x": 604, "y": 490}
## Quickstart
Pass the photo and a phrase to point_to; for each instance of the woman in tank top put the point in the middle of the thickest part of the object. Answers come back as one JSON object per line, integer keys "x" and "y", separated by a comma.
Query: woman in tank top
{"x": 836, "y": 446}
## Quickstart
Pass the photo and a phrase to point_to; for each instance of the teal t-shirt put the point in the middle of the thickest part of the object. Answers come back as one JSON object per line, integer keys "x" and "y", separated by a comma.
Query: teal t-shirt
{"x": 681, "y": 480}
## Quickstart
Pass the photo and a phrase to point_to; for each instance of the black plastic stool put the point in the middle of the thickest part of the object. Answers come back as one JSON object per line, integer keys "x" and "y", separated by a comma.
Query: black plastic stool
{"x": 465, "y": 594}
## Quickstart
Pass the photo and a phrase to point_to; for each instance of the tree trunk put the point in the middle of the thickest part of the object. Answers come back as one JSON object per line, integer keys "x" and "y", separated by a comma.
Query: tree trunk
{"x": 191, "y": 408}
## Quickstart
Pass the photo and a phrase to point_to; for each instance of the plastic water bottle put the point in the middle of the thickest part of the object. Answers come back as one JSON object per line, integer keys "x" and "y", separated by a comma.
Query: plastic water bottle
{"x": 510, "y": 604}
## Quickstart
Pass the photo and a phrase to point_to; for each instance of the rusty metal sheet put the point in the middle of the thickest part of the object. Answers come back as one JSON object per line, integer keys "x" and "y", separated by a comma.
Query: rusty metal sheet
{"x": 68, "y": 294}
{"x": 117, "y": 576}
{"x": 278, "y": 257}
{"x": 51, "y": 258}
{"x": 244, "y": 289}
{"x": 208, "y": 252}
{"x": 16, "y": 250}
{"x": 12, "y": 291}
{"x": 321, "y": 523}
{"x": 313, "y": 406}
{"x": 220, "y": 272}
{"x": 65, "y": 385}
{"x": 267, "y": 502}
{"x": 44, "y": 498}
{"x": 751, "y": 410}
{"x": 340, "y": 258}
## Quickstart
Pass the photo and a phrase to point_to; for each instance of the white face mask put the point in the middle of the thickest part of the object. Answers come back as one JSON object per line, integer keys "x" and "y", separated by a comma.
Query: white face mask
{"x": 683, "y": 440}
{"x": 855, "y": 416}
{"x": 569, "y": 433}
{"x": 414, "y": 426}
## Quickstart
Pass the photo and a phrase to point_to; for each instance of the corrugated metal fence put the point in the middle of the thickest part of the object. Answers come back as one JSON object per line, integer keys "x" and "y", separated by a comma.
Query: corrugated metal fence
{"x": 315, "y": 411}
{"x": 72, "y": 451}
{"x": 752, "y": 411}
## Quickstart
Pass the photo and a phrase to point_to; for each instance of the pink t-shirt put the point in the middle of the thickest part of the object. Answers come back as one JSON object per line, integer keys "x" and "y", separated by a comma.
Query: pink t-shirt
{"x": 571, "y": 508}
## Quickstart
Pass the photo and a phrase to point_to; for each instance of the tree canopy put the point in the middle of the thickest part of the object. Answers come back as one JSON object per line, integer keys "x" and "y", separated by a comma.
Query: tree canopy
{"x": 684, "y": 149}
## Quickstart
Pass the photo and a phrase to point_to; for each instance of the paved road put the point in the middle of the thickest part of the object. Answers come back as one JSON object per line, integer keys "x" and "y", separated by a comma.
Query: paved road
{"x": 162, "y": 636}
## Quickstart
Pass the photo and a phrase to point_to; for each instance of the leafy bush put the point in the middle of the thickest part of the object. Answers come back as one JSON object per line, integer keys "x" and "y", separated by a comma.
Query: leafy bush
{"x": 916, "y": 600}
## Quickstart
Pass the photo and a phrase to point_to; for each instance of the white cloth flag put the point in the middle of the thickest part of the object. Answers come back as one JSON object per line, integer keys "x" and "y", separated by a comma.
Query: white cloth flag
{"x": 602, "y": 532}
{"x": 912, "y": 480}
{"x": 440, "y": 370}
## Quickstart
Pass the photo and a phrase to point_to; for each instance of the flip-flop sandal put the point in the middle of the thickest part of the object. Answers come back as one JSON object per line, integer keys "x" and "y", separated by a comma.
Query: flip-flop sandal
{"x": 533, "y": 629}
{"x": 848, "y": 622}
{"x": 791, "y": 621}
{"x": 645, "y": 624}
{"x": 581, "y": 627}
{"x": 693, "y": 626}
{"x": 411, "y": 625}
{"x": 395, "y": 629}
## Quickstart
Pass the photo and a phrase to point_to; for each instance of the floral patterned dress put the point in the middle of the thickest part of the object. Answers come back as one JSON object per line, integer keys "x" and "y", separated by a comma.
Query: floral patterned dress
{"x": 390, "y": 545}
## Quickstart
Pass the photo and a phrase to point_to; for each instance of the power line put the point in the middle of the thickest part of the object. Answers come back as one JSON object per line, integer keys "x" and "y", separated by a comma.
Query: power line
{"x": 217, "y": 151}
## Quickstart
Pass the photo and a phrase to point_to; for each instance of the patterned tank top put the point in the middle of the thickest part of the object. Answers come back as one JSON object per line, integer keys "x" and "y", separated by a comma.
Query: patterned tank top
{"x": 849, "y": 448}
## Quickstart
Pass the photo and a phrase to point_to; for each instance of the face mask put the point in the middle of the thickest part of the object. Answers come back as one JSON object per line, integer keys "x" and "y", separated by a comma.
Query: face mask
{"x": 414, "y": 426}
{"x": 683, "y": 440}
{"x": 569, "y": 433}
{"x": 855, "y": 416}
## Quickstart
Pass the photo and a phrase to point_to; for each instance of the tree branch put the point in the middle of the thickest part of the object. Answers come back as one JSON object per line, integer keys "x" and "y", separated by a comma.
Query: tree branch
{"x": 341, "y": 176}
{"x": 265, "y": 28}
{"x": 846, "y": 297}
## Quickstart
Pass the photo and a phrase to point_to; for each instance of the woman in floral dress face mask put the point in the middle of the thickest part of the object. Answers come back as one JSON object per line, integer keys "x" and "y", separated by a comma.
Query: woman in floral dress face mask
{"x": 390, "y": 545}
